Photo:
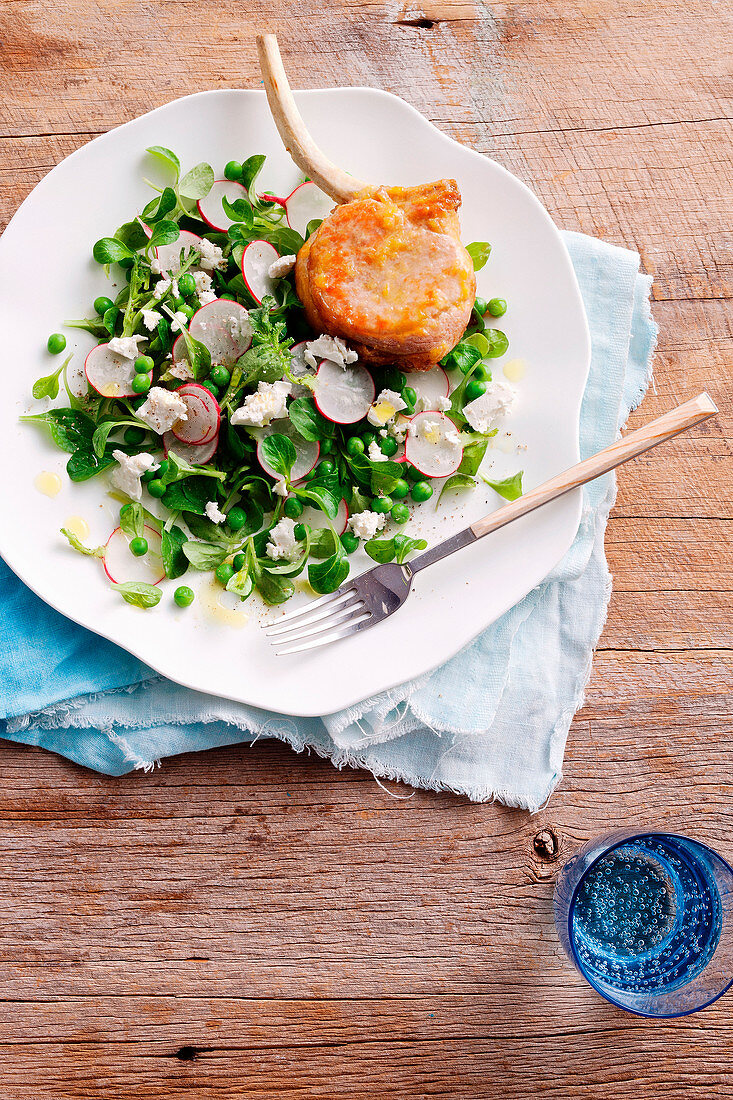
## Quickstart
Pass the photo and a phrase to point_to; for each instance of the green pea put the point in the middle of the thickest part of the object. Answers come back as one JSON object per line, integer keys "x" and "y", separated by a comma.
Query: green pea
{"x": 474, "y": 390}
{"x": 228, "y": 297}
{"x": 163, "y": 468}
{"x": 149, "y": 475}
{"x": 187, "y": 284}
{"x": 233, "y": 170}
{"x": 354, "y": 446}
{"x": 421, "y": 491}
{"x": 141, "y": 383}
{"x": 481, "y": 373}
{"x": 382, "y": 504}
{"x": 388, "y": 446}
{"x": 220, "y": 376}
{"x": 211, "y": 387}
{"x": 187, "y": 311}
{"x": 135, "y": 436}
{"x": 238, "y": 562}
{"x": 497, "y": 307}
{"x": 400, "y": 513}
{"x": 56, "y": 343}
{"x": 156, "y": 487}
{"x": 300, "y": 531}
{"x": 224, "y": 572}
{"x": 183, "y": 596}
{"x": 367, "y": 439}
{"x": 236, "y": 519}
{"x": 498, "y": 342}
{"x": 327, "y": 446}
{"x": 144, "y": 364}
{"x": 102, "y": 304}
{"x": 349, "y": 542}
{"x": 409, "y": 396}
{"x": 325, "y": 467}
{"x": 400, "y": 490}
{"x": 139, "y": 546}
{"x": 413, "y": 473}
{"x": 481, "y": 305}
{"x": 293, "y": 508}
{"x": 311, "y": 474}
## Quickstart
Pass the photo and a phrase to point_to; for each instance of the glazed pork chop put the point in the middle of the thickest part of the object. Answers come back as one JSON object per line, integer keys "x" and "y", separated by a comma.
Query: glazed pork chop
{"x": 386, "y": 270}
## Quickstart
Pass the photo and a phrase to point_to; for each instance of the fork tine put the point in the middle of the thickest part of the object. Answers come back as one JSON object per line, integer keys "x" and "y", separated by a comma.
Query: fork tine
{"x": 333, "y": 636}
{"x": 298, "y": 631}
{"x": 308, "y": 614}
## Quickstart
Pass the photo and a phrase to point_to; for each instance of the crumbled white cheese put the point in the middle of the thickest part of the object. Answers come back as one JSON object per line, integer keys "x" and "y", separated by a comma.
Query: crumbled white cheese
{"x": 280, "y": 488}
{"x": 366, "y": 524}
{"x": 281, "y": 267}
{"x": 163, "y": 286}
{"x": 214, "y": 513}
{"x": 434, "y": 404}
{"x": 155, "y": 268}
{"x": 398, "y": 427}
{"x": 453, "y": 436}
{"x": 162, "y": 409}
{"x": 239, "y": 325}
{"x": 375, "y": 453}
{"x": 282, "y": 542}
{"x": 203, "y": 281}
{"x": 328, "y": 347}
{"x": 179, "y": 320}
{"x": 207, "y": 296}
{"x": 181, "y": 370}
{"x": 212, "y": 256}
{"x": 126, "y": 345}
{"x": 269, "y": 403}
{"x": 151, "y": 319}
{"x": 385, "y": 408}
{"x": 126, "y": 475}
{"x": 429, "y": 430}
{"x": 491, "y": 406}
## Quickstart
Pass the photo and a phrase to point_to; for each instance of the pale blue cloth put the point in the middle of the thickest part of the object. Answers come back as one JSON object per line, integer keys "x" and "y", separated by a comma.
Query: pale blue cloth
{"x": 491, "y": 723}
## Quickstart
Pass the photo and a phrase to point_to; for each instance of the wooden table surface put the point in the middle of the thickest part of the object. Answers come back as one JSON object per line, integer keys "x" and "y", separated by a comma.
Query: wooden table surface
{"x": 253, "y": 923}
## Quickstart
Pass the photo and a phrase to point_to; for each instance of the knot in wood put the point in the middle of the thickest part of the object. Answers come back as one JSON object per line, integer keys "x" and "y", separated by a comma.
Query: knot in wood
{"x": 546, "y": 844}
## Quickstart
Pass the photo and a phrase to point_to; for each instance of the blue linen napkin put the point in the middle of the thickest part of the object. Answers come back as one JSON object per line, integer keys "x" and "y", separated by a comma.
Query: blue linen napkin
{"x": 491, "y": 723}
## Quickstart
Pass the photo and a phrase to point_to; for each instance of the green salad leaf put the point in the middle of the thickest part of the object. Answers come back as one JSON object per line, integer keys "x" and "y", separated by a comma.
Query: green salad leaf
{"x": 138, "y": 594}
{"x": 479, "y": 251}
{"x": 510, "y": 488}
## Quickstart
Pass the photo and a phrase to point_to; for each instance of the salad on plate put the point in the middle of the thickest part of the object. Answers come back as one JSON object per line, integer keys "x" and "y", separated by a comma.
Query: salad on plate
{"x": 237, "y": 440}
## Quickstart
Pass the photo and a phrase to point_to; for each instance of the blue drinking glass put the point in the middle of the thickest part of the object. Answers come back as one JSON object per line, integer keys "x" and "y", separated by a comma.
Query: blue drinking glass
{"x": 647, "y": 919}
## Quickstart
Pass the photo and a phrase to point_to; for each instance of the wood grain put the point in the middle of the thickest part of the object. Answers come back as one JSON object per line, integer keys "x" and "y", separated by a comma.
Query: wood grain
{"x": 252, "y": 923}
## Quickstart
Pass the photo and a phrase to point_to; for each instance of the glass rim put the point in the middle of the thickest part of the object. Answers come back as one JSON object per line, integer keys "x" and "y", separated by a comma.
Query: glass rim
{"x": 617, "y": 839}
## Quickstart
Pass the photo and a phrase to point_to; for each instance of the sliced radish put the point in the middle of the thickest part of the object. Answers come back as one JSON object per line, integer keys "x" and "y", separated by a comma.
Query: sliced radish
{"x": 306, "y": 203}
{"x": 195, "y": 454}
{"x": 428, "y": 446}
{"x": 267, "y": 197}
{"x": 429, "y": 385}
{"x": 306, "y": 453}
{"x": 256, "y": 261}
{"x": 109, "y": 373}
{"x": 299, "y": 368}
{"x": 317, "y": 519}
{"x": 210, "y": 207}
{"x": 223, "y": 327}
{"x": 169, "y": 255}
{"x": 343, "y": 394}
{"x": 204, "y": 415}
{"x": 122, "y": 566}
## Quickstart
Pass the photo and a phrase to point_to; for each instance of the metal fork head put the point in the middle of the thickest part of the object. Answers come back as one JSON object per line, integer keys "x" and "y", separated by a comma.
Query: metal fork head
{"x": 356, "y": 605}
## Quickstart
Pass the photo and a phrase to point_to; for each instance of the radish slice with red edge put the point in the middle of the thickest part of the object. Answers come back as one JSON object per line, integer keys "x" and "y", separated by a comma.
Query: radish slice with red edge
{"x": 305, "y": 204}
{"x": 317, "y": 519}
{"x": 210, "y": 207}
{"x": 257, "y": 259}
{"x": 109, "y": 373}
{"x": 204, "y": 415}
{"x": 306, "y": 452}
{"x": 429, "y": 446}
{"x": 343, "y": 395}
{"x": 169, "y": 255}
{"x": 195, "y": 454}
{"x": 429, "y": 385}
{"x": 121, "y": 566}
{"x": 221, "y": 326}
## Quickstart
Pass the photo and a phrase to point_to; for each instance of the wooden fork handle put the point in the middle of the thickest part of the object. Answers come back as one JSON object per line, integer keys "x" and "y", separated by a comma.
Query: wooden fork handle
{"x": 635, "y": 443}
{"x": 302, "y": 148}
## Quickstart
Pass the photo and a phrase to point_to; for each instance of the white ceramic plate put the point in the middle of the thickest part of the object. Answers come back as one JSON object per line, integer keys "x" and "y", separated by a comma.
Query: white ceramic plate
{"x": 48, "y": 274}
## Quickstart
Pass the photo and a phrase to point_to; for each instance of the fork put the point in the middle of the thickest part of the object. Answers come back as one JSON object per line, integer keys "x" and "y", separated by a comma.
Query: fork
{"x": 369, "y": 599}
